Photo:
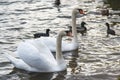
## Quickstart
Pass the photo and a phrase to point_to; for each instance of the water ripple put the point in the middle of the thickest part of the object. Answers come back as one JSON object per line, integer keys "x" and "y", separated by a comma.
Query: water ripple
{"x": 97, "y": 57}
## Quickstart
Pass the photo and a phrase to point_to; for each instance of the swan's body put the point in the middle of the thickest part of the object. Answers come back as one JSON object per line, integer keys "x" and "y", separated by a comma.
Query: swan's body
{"x": 51, "y": 42}
{"x": 38, "y": 58}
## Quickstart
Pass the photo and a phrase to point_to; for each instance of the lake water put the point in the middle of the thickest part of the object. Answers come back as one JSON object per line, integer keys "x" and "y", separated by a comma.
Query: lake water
{"x": 98, "y": 57}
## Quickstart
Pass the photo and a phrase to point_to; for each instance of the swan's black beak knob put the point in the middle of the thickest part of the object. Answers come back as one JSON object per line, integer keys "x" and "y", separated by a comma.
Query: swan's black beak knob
{"x": 81, "y": 11}
{"x": 69, "y": 33}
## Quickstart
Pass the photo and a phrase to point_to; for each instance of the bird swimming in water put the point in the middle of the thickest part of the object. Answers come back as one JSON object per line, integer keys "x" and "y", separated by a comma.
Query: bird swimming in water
{"x": 109, "y": 31}
{"x": 38, "y": 35}
{"x": 57, "y": 4}
{"x": 105, "y": 12}
{"x": 82, "y": 29}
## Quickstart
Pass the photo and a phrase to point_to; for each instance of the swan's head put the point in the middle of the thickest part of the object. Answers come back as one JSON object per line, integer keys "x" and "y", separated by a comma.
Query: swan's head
{"x": 65, "y": 33}
{"x": 77, "y": 11}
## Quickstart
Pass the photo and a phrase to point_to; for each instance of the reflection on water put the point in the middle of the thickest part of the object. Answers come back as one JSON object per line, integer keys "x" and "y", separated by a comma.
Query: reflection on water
{"x": 17, "y": 74}
{"x": 98, "y": 57}
{"x": 60, "y": 75}
{"x": 73, "y": 65}
{"x": 38, "y": 76}
{"x": 73, "y": 62}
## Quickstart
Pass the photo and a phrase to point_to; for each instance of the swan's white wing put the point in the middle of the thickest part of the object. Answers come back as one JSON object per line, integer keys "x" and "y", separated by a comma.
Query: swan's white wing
{"x": 69, "y": 46}
{"x": 19, "y": 63}
{"x": 36, "y": 56}
{"x": 50, "y": 42}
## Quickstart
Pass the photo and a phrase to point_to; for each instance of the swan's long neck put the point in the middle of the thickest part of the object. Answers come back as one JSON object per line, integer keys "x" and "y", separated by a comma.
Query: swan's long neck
{"x": 59, "y": 55}
{"x": 74, "y": 30}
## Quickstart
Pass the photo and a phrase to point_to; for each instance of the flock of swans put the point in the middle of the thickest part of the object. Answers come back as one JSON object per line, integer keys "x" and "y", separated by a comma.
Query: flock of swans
{"x": 35, "y": 55}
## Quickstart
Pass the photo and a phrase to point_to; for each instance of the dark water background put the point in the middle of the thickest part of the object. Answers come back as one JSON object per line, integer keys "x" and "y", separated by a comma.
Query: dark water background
{"x": 98, "y": 57}
{"x": 114, "y": 4}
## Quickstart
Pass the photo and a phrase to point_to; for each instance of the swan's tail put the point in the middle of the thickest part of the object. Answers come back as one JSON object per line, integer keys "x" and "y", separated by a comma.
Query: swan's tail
{"x": 18, "y": 63}
{"x": 12, "y": 59}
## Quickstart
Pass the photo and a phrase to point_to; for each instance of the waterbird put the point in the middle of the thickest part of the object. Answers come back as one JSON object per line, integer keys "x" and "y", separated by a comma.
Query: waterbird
{"x": 50, "y": 42}
{"x": 81, "y": 29}
{"x": 37, "y": 57}
{"x": 107, "y": 12}
{"x": 38, "y": 35}
{"x": 109, "y": 31}
{"x": 57, "y": 4}
{"x": 73, "y": 45}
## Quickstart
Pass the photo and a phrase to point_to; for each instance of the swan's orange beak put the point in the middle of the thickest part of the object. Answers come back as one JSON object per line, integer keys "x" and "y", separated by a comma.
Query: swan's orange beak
{"x": 82, "y": 12}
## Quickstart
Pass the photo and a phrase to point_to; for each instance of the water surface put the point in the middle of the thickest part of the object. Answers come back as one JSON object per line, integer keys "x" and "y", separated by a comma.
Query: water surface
{"x": 98, "y": 57}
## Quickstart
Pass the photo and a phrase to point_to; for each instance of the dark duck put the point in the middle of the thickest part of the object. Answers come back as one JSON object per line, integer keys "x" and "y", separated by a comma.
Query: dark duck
{"x": 109, "y": 31}
{"x": 107, "y": 12}
{"x": 38, "y": 35}
{"x": 57, "y": 4}
{"x": 82, "y": 29}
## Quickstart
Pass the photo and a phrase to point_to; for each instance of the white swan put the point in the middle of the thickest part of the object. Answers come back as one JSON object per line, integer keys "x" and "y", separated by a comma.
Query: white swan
{"x": 38, "y": 58}
{"x": 51, "y": 42}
